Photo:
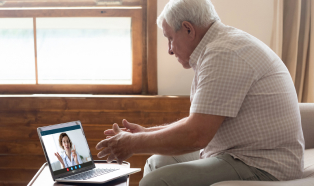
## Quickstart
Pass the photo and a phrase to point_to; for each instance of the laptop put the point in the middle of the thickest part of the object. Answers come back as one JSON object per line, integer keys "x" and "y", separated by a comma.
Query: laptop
{"x": 79, "y": 167}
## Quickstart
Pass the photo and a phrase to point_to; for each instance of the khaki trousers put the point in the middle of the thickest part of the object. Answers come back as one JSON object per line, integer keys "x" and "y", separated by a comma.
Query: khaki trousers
{"x": 188, "y": 169}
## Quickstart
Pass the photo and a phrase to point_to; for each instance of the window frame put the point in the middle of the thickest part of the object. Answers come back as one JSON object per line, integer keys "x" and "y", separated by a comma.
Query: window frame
{"x": 136, "y": 15}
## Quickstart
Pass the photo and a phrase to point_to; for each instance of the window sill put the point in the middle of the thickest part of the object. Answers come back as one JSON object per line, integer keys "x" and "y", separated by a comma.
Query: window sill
{"x": 83, "y": 96}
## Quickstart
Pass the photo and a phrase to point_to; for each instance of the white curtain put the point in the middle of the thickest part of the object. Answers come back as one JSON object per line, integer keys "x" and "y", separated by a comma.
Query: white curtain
{"x": 293, "y": 41}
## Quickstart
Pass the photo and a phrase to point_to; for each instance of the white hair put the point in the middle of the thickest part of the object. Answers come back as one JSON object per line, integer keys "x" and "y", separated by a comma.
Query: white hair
{"x": 198, "y": 12}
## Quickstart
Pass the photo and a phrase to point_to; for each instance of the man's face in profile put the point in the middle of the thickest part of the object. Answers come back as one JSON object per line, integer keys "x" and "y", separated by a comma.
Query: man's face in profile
{"x": 177, "y": 44}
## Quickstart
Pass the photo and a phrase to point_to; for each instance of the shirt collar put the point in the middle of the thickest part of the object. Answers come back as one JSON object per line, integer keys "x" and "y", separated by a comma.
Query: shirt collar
{"x": 208, "y": 38}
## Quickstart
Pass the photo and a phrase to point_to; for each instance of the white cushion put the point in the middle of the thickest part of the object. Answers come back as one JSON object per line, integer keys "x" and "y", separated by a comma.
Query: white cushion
{"x": 308, "y": 163}
{"x": 307, "y": 180}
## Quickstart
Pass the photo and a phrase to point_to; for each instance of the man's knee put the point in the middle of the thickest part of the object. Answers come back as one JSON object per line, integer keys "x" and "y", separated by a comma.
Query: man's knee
{"x": 156, "y": 161}
{"x": 153, "y": 163}
{"x": 151, "y": 180}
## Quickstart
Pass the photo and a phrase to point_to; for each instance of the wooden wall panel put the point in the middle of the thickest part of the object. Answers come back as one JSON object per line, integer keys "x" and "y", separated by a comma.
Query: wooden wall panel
{"x": 130, "y": 103}
{"x": 21, "y": 152}
{"x": 39, "y": 118}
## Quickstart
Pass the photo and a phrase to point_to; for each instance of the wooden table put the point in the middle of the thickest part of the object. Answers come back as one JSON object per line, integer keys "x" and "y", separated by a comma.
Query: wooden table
{"x": 43, "y": 177}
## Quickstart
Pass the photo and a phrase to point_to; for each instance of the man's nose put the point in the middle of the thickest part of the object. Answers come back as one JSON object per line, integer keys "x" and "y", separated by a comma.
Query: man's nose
{"x": 170, "y": 51}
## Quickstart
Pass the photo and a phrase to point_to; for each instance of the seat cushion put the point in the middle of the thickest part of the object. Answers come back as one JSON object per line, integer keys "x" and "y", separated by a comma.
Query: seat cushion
{"x": 307, "y": 180}
{"x": 308, "y": 163}
{"x": 299, "y": 182}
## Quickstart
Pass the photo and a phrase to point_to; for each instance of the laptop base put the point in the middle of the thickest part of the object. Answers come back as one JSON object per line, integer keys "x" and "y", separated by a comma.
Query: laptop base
{"x": 43, "y": 176}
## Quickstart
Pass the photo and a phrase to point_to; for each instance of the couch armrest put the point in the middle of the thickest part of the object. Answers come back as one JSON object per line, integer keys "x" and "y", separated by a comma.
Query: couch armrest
{"x": 307, "y": 119}
{"x": 303, "y": 182}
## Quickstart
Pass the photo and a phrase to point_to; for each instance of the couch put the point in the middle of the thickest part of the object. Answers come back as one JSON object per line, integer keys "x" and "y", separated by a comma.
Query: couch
{"x": 307, "y": 120}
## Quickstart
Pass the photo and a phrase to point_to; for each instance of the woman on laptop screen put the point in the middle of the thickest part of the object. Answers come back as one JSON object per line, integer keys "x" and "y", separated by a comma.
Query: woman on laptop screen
{"x": 69, "y": 157}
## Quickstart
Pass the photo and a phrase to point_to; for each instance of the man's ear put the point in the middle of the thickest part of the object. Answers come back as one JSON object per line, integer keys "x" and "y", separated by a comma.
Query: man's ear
{"x": 188, "y": 28}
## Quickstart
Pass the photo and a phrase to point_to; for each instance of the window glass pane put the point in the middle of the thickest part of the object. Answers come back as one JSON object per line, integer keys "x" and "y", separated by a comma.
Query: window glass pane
{"x": 17, "y": 57}
{"x": 84, "y": 50}
{"x": 69, "y": 3}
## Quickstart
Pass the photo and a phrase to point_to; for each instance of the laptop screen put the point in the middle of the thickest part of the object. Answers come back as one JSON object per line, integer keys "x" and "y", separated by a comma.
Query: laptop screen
{"x": 66, "y": 148}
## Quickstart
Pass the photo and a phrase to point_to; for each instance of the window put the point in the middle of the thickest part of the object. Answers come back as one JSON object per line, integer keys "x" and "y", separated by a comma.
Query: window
{"x": 16, "y": 34}
{"x": 97, "y": 50}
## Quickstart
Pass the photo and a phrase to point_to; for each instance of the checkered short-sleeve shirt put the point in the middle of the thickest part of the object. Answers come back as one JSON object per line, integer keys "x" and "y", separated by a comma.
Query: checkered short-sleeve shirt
{"x": 239, "y": 77}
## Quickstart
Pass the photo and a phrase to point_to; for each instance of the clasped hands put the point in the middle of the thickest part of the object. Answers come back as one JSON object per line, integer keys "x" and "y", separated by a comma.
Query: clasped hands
{"x": 119, "y": 143}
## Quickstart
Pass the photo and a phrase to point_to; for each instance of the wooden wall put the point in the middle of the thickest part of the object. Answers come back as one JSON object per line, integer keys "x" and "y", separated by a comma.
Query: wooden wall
{"x": 21, "y": 154}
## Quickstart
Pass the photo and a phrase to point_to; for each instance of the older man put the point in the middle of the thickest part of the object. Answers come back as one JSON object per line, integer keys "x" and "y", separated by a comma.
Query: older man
{"x": 244, "y": 121}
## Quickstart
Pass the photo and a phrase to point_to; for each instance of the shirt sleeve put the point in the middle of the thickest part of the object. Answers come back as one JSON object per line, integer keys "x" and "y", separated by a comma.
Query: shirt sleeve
{"x": 223, "y": 81}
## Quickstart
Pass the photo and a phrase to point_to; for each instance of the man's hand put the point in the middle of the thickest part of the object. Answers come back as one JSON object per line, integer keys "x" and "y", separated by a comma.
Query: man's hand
{"x": 119, "y": 146}
{"x": 129, "y": 127}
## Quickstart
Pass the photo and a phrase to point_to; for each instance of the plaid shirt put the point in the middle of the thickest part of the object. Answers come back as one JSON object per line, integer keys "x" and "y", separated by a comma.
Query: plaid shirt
{"x": 241, "y": 78}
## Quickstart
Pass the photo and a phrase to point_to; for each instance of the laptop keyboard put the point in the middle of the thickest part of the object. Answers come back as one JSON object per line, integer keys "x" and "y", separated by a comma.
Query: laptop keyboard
{"x": 89, "y": 174}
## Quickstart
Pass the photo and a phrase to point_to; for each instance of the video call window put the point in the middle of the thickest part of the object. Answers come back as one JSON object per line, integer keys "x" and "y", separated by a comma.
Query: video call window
{"x": 58, "y": 141}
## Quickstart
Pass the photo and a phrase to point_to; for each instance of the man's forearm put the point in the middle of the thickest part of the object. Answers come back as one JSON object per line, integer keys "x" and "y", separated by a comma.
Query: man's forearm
{"x": 174, "y": 139}
{"x": 187, "y": 135}
{"x": 152, "y": 129}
